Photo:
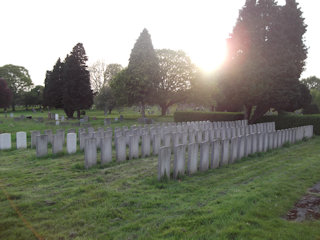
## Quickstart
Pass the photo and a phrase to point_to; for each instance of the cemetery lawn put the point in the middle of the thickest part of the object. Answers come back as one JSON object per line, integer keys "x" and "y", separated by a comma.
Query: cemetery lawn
{"x": 246, "y": 200}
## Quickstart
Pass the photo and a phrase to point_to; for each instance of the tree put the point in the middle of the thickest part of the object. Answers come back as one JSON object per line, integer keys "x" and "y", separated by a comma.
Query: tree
{"x": 54, "y": 86}
{"x": 312, "y": 82}
{"x": 111, "y": 71}
{"x": 34, "y": 97}
{"x": 101, "y": 74}
{"x": 266, "y": 57}
{"x": 97, "y": 71}
{"x": 77, "y": 93}
{"x": 118, "y": 85}
{"x": 18, "y": 80}
{"x": 177, "y": 73}
{"x": 105, "y": 100}
{"x": 5, "y": 94}
{"x": 143, "y": 73}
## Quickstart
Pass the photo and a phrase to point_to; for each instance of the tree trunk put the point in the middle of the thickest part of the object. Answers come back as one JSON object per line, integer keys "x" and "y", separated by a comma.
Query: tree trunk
{"x": 258, "y": 113}
{"x": 247, "y": 112}
{"x": 78, "y": 114}
{"x": 164, "y": 109}
{"x": 69, "y": 113}
{"x": 143, "y": 114}
{"x": 13, "y": 107}
{"x": 110, "y": 110}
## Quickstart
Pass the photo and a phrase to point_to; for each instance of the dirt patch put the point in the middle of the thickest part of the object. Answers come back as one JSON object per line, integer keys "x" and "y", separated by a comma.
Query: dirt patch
{"x": 308, "y": 208}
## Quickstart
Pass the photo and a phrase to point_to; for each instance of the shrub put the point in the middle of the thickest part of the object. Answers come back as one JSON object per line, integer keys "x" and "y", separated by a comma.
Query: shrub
{"x": 311, "y": 109}
{"x": 290, "y": 121}
{"x": 207, "y": 116}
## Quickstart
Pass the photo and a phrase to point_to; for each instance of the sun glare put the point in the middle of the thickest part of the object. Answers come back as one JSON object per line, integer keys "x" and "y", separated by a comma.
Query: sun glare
{"x": 209, "y": 60}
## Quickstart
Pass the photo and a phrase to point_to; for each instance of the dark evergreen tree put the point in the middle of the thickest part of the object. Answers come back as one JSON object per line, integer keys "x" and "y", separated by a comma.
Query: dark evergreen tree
{"x": 143, "y": 72}
{"x": 77, "y": 93}
{"x": 266, "y": 57}
{"x": 54, "y": 85}
{"x": 5, "y": 94}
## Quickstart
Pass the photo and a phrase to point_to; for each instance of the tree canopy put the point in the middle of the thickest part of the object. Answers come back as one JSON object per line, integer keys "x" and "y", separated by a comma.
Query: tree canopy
{"x": 5, "y": 94}
{"x": 177, "y": 73}
{"x": 143, "y": 72}
{"x": 266, "y": 56}
{"x": 54, "y": 85}
{"x": 77, "y": 93}
{"x": 18, "y": 80}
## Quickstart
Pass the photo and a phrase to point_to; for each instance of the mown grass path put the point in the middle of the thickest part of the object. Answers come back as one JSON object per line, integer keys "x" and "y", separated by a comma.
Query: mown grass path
{"x": 246, "y": 200}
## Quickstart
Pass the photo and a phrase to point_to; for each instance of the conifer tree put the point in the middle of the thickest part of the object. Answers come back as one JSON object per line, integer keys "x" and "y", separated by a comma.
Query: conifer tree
{"x": 54, "y": 86}
{"x": 143, "y": 72}
{"x": 77, "y": 93}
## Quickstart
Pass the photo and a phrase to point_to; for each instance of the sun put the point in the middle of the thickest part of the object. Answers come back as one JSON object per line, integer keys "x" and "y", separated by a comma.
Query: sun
{"x": 209, "y": 57}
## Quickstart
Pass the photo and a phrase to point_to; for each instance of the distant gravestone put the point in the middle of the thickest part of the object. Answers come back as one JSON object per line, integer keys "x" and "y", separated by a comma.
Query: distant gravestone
{"x": 11, "y": 115}
{"x": 85, "y": 118}
{"x": 107, "y": 121}
{"x": 56, "y": 117}
{"x": 121, "y": 118}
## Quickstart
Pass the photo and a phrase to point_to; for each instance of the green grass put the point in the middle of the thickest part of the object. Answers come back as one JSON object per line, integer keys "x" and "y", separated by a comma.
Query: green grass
{"x": 8, "y": 124}
{"x": 246, "y": 200}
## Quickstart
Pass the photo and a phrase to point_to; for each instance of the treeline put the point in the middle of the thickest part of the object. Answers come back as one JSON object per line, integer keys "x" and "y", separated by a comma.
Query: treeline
{"x": 266, "y": 56}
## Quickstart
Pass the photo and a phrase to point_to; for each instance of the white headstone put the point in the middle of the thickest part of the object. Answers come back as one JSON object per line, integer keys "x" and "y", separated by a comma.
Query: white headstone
{"x": 5, "y": 141}
{"x": 21, "y": 138}
{"x": 56, "y": 117}
{"x": 71, "y": 143}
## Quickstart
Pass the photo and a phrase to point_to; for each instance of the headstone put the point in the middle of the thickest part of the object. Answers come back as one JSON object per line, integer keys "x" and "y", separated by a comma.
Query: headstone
{"x": 215, "y": 154}
{"x": 134, "y": 147}
{"x": 164, "y": 160}
{"x": 57, "y": 143}
{"x": 156, "y": 144}
{"x": 42, "y": 145}
{"x": 234, "y": 149}
{"x": 265, "y": 141}
{"x": 34, "y": 135}
{"x": 248, "y": 145}
{"x": 167, "y": 140}
{"x": 179, "y": 161}
{"x": 254, "y": 139}
{"x": 5, "y": 141}
{"x": 62, "y": 118}
{"x": 107, "y": 121}
{"x": 71, "y": 143}
{"x": 21, "y": 139}
{"x": 90, "y": 153}
{"x": 56, "y": 117}
{"x": 121, "y": 152}
{"x": 204, "y": 156}
{"x": 11, "y": 115}
{"x": 193, "y": 149}
{"x": 106, "y": 149}
{"x": 50, "y": 135}
{"x": 225, "y": 152}
{"x": 85, "y": 118}
{"x": 145, "y": 145}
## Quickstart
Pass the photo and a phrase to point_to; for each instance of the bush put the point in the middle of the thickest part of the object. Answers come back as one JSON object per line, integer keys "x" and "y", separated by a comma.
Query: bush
{"x": 290, "y": 121}
{"x": 311, "y": 109}
{"x": 207, "y": 116}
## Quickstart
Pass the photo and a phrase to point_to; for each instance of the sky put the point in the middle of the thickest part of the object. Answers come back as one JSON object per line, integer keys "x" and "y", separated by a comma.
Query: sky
{"x": 35, "y": 33}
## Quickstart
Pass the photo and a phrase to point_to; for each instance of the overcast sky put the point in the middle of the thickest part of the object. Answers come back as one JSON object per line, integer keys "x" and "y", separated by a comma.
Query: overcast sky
{"x": 35, "y": 33}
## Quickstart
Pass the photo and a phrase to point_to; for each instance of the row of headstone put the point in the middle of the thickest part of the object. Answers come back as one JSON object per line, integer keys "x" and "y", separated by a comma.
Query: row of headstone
{"x": 220, "y": 152}
{"x": 151, "y": 139}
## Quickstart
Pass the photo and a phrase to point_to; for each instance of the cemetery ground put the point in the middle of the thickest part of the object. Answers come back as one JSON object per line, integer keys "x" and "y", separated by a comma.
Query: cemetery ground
{"x": 59, "y": 199}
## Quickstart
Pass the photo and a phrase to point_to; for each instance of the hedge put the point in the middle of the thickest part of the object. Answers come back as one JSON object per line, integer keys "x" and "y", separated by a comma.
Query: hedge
{"x": 207, "y": 116}
{"x": 290, "y": 121}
